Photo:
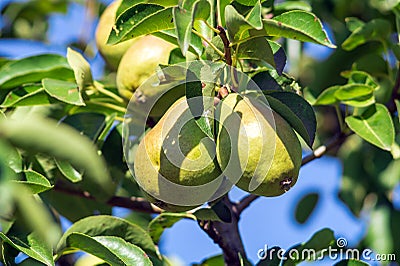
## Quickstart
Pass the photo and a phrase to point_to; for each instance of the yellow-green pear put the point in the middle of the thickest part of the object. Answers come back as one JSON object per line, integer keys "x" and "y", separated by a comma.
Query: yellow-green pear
{"x": 256, "y": 147}
{"x": 111, "y": 53}
{"x": 175, "y": 162}
{"x": 140, "y": 62}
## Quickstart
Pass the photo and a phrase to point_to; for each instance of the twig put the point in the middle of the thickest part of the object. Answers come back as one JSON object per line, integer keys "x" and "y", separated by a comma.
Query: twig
{"x": 317, "y": 153}
{"x": 132, "y": 203}
{"x": 227, "y": 48}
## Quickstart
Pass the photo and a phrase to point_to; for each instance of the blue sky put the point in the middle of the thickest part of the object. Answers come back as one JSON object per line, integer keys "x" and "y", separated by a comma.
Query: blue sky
{"x": 268, "y": 220}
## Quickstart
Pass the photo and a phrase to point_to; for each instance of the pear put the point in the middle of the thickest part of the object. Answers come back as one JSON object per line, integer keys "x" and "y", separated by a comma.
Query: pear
{"x": 175, "y": 162}
{"x": 140, "y": 62}
{"x": 112, "y": 54}
{"x": 256, "y": 147}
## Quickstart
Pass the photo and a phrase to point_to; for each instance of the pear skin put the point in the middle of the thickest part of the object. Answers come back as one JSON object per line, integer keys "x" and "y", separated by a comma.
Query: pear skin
{"x": 140, "y": 62}
{"x": 175, "y": 162}
{"x": 112, "y": 54}
{"x": 256, "y": 147}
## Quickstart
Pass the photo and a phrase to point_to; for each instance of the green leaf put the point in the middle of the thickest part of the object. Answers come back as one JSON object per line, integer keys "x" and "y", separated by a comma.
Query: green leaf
{"x": 296, "y": 111}
{"x": 64, "y": 91}
{"x": 299, "y": 25}
{"x": 375, "y": 125}
{"x": 327, "y": 97}
{"x": 360, "y": 77}
{"x": 374, "y": 30}
{"x": 26, "y": 96}
{"x": 206, "y": 214}
{"x": 195, "y": 45}
{"x": 384, "y": 5}
{"x": 81, "y": 67}
{"x": 305, "y": 207}
{"x": 217, "y": 260}
{"x": 69, "y": 171}
{"x": 222, "y": 211}
{"x": 184, "y": 21}
{"x": 351, "y": 262}
{"x": 379, "y": 236}
{"x": 139, "y": 20}
{"x": 321, "y": 240}
{"x": 237, "y": 24}
{"x": 257, "y": 49}
{"x": 353, "y": 23}
{"x": 397, "y": 102}
{"x": 35, "y": 182}
{"x": 163, "y": 221}
{"x": 291, "y": 5}
{"x": 30, "y": 262}
{"x": 43, "y": 135}
{"x": 11, "y": 158}
{"x": 31, "y": 245}
{"x": 111, "y": 249}
{"x": 357, "y": 95}
{"x": 34, "y": 69}
{"x": 83, "y": 207}
{"x": 103, "y": 225}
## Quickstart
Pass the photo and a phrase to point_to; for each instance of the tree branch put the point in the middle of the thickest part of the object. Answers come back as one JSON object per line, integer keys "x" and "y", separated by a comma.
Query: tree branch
{"x": 227, "y": 235}
{"x": 317, "y": 153}
{"x": 132, "y": 203}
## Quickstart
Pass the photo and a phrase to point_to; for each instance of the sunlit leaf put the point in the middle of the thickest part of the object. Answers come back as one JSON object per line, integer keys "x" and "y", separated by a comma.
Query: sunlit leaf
{"x": 64, "y": 91}
{"x": 35, "y": 182}
{"x": 163, "y": 221}
{"x": 81, "y": 67}
{"x": 375, "y": 125}
{"x": 114, "y": 250}
{"x": 34, "y": 69}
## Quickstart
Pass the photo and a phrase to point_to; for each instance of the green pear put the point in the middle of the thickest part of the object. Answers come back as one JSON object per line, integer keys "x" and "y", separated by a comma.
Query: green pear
{"x": 112, "y": 54}
{"x": 140, "y": 62}
{"x": 175, "y": 162}
{"x": 256, "y": 147}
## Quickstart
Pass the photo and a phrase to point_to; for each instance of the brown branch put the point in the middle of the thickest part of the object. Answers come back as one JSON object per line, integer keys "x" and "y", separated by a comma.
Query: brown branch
{"x": 227, "y": 235}
{"x": 317, "y": 153}
{"x": 227, "y": 48}
{"x": 132, "y": 203}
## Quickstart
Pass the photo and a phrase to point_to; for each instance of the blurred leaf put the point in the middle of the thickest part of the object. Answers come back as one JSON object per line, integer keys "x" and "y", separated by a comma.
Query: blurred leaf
{"x": 257, "y": 49}
{"x": 375, "y": 125}
{"x": 34, "y": 69}
{"x": 296, "y": 111}
{"x": 384, "y": 5}
{"x": 81, "y": 67}
{"x": 35, "y": 182}
{"x": 11, "y": 158}
{"x": 139, "y": 20}
{"x": 217, "y": 260}
{"x": 64, "y": 91}
{"x": 111, "y": 249}
{"x": 291, "y": 5}
{"x": 299, "y": 25}
{"x": 305, "y": 207}
{"x": 27, "y": 95}
{"x": 351, "y": 262}
{"x": 360, "y": 77}
{"x": 379, "y": 236}
{"x": 321, "y": 240}
{"x": 43, "y": 135}
{"x": 103, "y": 225}
{"x": 353, "y": 23}
{"x": 82, "y": 207}
{"x": 163, "y": 221}
{"x": 374, "y": 30}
